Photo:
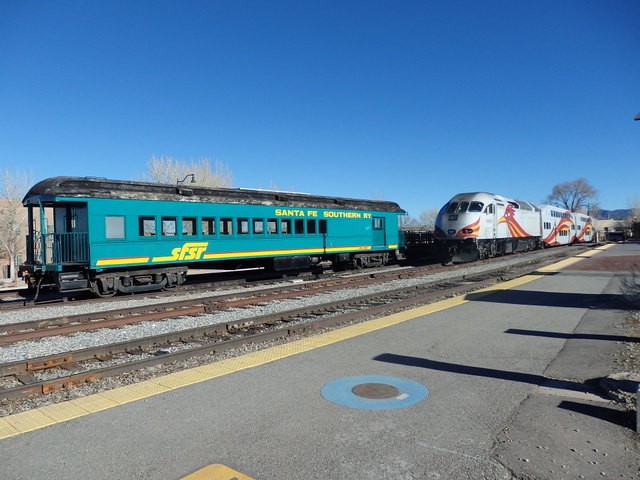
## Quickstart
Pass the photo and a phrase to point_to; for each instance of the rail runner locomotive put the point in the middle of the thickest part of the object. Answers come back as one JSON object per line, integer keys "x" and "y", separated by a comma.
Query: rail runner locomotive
{"x": 480, "y": 225}
{"x": 111, "y": 236}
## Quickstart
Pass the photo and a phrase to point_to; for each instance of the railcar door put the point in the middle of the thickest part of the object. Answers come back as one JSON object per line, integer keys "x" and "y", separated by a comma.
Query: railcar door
{"x": 378, "y": 230}
{"x": 69, "y": 241}
{"x": 490, "y": 221}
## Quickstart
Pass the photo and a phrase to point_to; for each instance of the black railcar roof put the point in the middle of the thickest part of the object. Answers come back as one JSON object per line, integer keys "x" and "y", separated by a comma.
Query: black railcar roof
{"x": 91, "y": 187}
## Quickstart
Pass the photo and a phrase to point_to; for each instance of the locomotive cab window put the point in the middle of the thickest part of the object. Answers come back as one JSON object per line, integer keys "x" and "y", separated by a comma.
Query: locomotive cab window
{"x": 489, "y": 209}
{"x": 476, "y": 206}
{"x": 147, "y": 226}
{"x": 114, "y": 227}
{"x": 462, "y": 207}
{"x": 168, "y": 226}
{"x": 188, "y": 226}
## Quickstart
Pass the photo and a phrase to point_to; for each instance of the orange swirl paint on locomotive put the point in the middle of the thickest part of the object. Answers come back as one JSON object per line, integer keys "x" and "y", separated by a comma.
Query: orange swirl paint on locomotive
{"x": 515, "y": 229}
{"x": 472, "y": 230}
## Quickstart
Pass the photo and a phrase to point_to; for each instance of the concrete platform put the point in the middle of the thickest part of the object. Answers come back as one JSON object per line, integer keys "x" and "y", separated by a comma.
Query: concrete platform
{"x": 508, "y": 373}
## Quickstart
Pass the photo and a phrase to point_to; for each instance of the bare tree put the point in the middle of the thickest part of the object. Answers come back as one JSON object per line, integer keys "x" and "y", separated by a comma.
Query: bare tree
{"x": 167, "y": 169}
{"x": 575, "y": 195}
{"x": 634, "y": 207}
{"x": 427, "y": 218}
{"x": 13, "y": 216}
{"x": 634, "y": 216}
{"x": 406, "y": 222}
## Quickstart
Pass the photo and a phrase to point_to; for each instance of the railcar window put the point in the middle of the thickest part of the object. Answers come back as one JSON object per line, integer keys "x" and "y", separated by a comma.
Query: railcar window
{"x": 208, "y": 226}
{"x": 476, "y": 206}
{"x": 285, "y": 226}
{"x": 514, "y": 205}
{"x": 299, "y": 226}
{"x": 226, "y": 226}
{"x": 323, "y": 226}
{"x": 114, "y": 227}
{"x": 272, "y": 223}
{"x": 377, "y": 223}
{"x": 258, "y": 226}
{"x": 188, "y": 226}
{"x": 311, "y": 226}
{"x": 462, "y": 207}
{"x": 452, "y": 207}
{"x": 243, "y": 226}
{"x": 147, "y": 226}
{"x": 168, "y": 226}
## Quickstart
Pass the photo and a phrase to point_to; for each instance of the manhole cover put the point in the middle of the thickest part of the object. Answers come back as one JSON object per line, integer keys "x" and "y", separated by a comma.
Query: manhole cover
{"x": 375, "y": 390}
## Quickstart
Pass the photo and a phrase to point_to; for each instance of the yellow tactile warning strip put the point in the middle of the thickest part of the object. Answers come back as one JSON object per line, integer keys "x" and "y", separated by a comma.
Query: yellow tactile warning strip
{"x": 594, "y": 251}
{"x": 216, "y": 472}
{"x": 42, "y": 417}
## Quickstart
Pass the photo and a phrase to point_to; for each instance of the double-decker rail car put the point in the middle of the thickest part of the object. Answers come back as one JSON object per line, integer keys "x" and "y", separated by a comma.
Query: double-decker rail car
{"x": 111, "y": 236}
{"x": 563, "y": 227}
{"x": 585, "y": 231}
{"x": 558, "y": 226}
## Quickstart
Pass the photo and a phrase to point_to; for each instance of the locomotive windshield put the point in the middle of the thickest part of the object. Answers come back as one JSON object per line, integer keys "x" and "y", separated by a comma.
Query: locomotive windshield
{"x": 476, "y": 206}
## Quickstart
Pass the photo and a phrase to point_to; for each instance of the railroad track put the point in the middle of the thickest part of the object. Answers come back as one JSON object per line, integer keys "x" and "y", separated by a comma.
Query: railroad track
{"x": 62, "y": 371}
{"x": 68, "y": 324}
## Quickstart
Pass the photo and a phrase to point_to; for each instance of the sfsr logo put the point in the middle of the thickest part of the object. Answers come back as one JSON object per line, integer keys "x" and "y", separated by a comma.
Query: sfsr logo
{"x": 189, "y": 251}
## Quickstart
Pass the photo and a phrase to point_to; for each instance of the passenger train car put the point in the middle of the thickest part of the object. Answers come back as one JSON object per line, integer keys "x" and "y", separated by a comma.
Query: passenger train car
{"x": 481, "y": 225}
{"x": 110, "y": 236}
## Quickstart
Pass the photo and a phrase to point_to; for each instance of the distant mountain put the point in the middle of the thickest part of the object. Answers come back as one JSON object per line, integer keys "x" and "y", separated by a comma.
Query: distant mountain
{"x": 619, "y": 214}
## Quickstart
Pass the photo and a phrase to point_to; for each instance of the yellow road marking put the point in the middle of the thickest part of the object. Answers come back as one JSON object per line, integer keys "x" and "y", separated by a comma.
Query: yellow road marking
{"x": 19, "y": 423}
{"x": 216, "y": 472}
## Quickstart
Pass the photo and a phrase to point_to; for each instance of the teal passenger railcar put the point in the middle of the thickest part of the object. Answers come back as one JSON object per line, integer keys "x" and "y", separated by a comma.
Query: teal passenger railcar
{"x": 112, "y": 236}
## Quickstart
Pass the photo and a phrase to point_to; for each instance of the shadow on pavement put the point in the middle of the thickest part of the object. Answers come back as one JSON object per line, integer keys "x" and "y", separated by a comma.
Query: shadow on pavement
{"x": 570, "y": 336}
{"x": 553, "y": 299}
{"x": 608, "y": 414}
{"x": 623, "y": 418}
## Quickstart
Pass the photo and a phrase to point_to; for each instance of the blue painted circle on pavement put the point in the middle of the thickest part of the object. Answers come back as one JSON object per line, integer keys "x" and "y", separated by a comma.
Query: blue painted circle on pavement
{"x": 340, "y": 392}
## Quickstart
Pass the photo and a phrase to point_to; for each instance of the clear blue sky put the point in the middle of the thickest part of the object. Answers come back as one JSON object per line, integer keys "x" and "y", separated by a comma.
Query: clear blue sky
{"x": 411, "y": 100}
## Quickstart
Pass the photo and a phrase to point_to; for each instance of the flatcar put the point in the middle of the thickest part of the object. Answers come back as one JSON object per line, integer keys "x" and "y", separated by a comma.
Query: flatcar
{"x": 480, "y": 225}
{"x": 110, "y": 236}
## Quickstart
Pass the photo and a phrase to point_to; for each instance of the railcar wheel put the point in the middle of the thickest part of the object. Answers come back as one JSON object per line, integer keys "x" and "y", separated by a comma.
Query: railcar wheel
{"x": 95, "y": 288}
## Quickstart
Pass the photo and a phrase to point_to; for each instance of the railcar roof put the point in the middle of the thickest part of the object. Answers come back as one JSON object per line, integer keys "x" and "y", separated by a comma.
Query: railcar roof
{"x": 91, "y": 187}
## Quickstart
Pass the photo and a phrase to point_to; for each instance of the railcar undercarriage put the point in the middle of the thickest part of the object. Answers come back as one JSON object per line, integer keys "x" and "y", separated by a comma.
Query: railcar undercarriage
{"x": 470, "y": 249}
{"x": 106, "y": 284}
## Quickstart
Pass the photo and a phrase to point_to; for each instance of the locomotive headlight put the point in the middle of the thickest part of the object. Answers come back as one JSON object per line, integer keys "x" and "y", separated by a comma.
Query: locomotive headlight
{"x": 451, "y": 231}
